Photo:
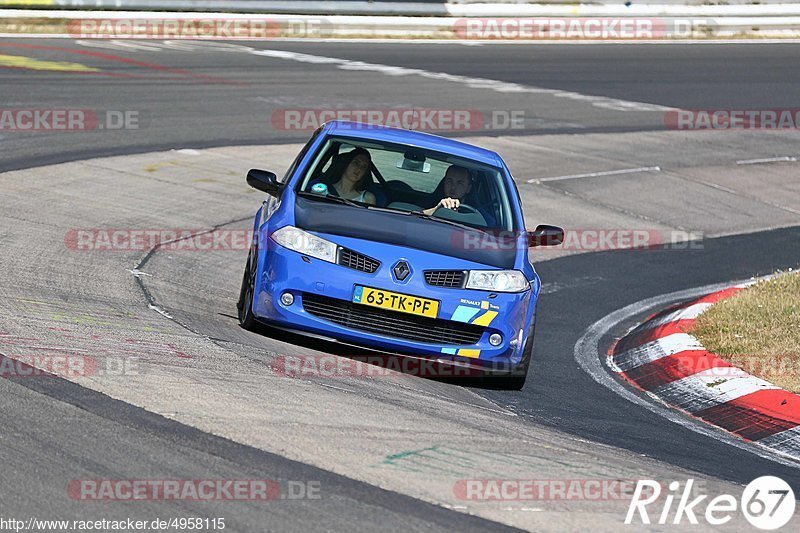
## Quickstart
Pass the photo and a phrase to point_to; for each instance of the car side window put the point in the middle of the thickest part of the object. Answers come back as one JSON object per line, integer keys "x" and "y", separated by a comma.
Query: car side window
{"x": 492, "y": 204}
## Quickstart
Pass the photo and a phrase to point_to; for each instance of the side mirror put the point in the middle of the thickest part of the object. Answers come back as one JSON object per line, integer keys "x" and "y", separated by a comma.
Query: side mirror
{"x": 545, "y": 235}
{"x": 264, "y": 180}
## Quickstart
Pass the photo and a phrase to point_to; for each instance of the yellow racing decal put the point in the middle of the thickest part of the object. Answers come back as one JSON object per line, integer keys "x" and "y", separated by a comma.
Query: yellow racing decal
{"x": 469, "y": 353}
{"x": 485, "y": 319}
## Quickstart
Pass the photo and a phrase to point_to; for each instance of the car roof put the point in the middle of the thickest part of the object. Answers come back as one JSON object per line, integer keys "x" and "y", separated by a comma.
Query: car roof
{"x": 417, "y": 139}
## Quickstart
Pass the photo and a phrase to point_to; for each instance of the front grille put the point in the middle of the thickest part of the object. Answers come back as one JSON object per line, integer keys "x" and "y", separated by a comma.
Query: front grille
{"x": 357, "y": 261}
{"x": 391, "y": 323}
{"x": 445, "y": 278}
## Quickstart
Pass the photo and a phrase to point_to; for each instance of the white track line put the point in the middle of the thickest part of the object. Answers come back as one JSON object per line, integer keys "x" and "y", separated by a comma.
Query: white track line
{"x": 467, "y": 42}
{"x": 596, "y": 174}
{"x": 686, "y": 313}
{"x": 526, "y": 42}
{"x": 603, "y": 102}
{"x": 461, "y": 42}
{"x": 784, "y": 159}
{"x": 119, "y": 44}
{"x": 587, "y": 354}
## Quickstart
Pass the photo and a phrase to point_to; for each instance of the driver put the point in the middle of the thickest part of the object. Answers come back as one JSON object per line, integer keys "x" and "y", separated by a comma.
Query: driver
{"x": 457, "y": 185}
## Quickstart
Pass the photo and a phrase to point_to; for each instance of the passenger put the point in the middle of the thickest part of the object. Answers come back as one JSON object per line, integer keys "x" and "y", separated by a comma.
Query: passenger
{"x": 457, "y": 186}
{"x": 355, "y": 177}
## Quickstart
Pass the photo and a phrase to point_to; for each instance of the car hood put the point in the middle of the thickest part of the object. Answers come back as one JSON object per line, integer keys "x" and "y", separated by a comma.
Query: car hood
{"x": 405, "y": 230}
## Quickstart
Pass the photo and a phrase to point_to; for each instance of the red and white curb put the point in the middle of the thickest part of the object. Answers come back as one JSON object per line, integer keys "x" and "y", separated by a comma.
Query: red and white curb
{"x": 661, "y": 359}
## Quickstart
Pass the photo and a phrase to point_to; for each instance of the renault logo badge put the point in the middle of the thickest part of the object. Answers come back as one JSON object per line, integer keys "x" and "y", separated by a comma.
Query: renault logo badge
{"x": 401, "y": 270}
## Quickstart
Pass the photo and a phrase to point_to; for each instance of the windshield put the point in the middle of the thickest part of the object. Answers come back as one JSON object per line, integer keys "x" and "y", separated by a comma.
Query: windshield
{"x": 410, "y": 180}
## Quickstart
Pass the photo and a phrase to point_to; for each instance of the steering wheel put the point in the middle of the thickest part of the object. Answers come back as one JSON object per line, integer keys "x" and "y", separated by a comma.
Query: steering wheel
{"x": 463, "y": 209}
{"x": 467, "y": 209}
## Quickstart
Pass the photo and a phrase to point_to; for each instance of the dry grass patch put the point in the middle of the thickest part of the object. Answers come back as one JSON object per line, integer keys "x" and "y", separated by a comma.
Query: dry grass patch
{"x": 758, "y": 330}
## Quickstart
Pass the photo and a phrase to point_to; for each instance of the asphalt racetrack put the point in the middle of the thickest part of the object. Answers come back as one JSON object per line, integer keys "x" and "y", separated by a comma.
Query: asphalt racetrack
{"x": 592, "y": 146}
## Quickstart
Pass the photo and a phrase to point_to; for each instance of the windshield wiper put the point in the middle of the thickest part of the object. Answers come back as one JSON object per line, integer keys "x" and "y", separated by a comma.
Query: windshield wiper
{"x": 329, "y": 198}
{"x": 420, "y": 214}
{"x": 389, "y": 210}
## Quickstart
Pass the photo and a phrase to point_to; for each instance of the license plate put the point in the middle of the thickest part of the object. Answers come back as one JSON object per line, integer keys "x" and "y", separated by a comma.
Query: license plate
{"x": 396, "y": 302}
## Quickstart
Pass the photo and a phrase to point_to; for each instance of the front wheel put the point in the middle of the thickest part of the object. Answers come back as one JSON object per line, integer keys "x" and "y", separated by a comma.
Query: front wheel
{"x": 245, "y": 303}
{"x": 512, "y": 382}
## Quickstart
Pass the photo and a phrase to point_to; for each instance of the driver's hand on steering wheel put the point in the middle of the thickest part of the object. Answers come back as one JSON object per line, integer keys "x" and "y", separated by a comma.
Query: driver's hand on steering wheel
{"x": 449, "y": 203}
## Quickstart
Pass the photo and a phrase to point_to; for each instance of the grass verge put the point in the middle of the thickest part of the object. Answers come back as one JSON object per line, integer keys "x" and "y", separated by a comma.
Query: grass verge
{"x": 758, "y": 330}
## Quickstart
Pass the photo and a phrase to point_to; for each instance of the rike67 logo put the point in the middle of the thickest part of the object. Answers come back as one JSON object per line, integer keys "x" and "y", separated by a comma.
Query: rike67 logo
{"x": 767, "y": 503}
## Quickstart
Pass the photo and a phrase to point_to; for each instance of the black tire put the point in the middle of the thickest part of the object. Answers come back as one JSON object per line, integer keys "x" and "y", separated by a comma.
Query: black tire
{"x": 245, "y": 304}
{"x": 512, "y": 382}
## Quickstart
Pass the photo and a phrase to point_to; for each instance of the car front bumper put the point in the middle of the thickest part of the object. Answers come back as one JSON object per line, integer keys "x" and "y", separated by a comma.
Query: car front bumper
{"x": 282, "y": 270}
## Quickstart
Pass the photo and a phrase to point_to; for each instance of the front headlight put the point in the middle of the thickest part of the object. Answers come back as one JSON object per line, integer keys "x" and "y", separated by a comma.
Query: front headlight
{"x": 305, "y": 243}
{"x": 497, "y": 280}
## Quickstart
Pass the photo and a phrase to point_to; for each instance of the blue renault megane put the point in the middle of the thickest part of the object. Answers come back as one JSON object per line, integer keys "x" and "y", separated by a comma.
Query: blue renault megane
{"x": 398, "y": 241}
